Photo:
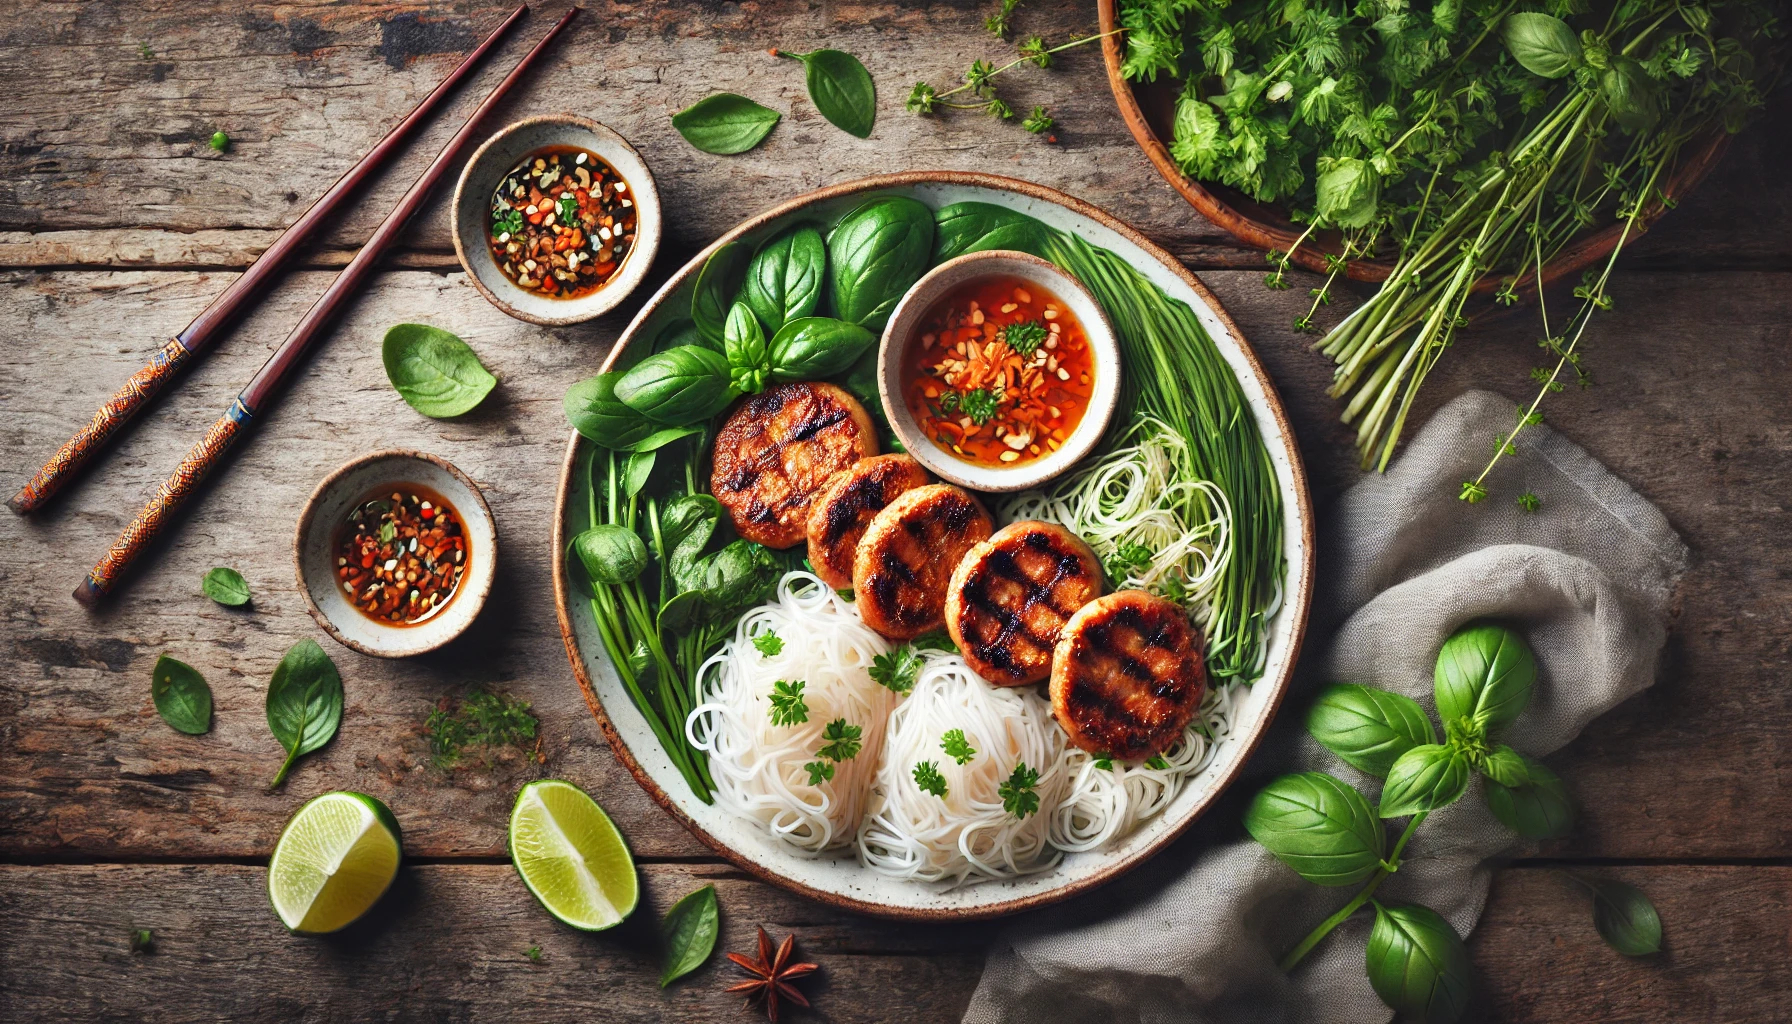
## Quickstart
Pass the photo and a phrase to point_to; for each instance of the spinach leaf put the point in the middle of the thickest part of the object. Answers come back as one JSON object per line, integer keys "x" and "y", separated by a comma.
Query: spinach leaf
{"x": 1425, "y": 778}
{"x": 1543, "y": 44}
{"x": 226, "y": 586}
{"x": 816, "y": 346}
{"x": 1504, "y": 766}
{"x": 749, "y": 356}
{"x": 637, "y": 469}
{"x": 1625, "y": 918}
{"x": 840, "y": 88}
{"x": 1367, "y": 727}
{"x": 1319, "y": 826}
{"x": 677, "y": 387}
{"x": 1537, "y": 809}
{"x": 724, "y": 123}
{"x": 611, "y": 553}
{"x": 663, "y": 437}
{"x": 182, "y": 698}
{"x": 600, "y": 417}
{"x": 1485, "y": 672}
{"x": 434, "y": 371}
{"x": 975, "y": 227}
{"x": 686, "y": 525}
{"x": 1417, "y": 963}
{"x": 875, "y": 254}
{"x": 304, "y": 703}
{"x": 785, "y": 276}
{"x": 690, "y": 929}
{"x": 712, "y": 296}
{"x": 741, "y": 574}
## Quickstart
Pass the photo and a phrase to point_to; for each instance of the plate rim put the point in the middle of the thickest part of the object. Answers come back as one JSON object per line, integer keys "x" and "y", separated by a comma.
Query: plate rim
{"x": 1301, "y": 499}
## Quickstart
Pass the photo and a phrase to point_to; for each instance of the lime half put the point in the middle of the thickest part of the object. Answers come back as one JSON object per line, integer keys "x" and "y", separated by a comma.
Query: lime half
{"x": 571, "y": 857}
{"x": 337, "y": 857}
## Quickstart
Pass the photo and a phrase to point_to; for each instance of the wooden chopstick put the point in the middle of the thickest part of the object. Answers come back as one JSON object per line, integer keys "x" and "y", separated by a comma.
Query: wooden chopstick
{"x": 259, "y": 394}
{"x": 239, "y": 297}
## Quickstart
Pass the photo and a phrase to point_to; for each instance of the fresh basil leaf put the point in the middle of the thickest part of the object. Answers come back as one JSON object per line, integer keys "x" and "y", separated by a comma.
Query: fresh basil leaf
{"x": 1543, "y": 44}
{"x": 304, "y": 703}
{"x": 1505, "y": 766}
{"x": 226, "y": 586}
{"x": 690, "y": 929}
{"x": 724, "y": 123}
{"x": 1629, "y": 94}
{"x": 712, "y": 296}
{"x": 636, "y": 471}
{"x": 875, "y": 254}
{"x": 841, "y": 89}
{"x": 600, "y": 417}
{"x": 434, "y": 371}
{"x": 685, "y": 611}
{"x": 182, "y": 698}
{"x": 1417, "y": 964}
{"x": 861, "y": 382}
{"x": 749, "y": 356}
{"x": 1425, "y": 778}
{"x": 1485, "y": 672}
{"x": 976, "y": 227}
{"x": 611, "y": 553}
{"x": 663, "y": 437}
{"x": 683, "y": 332}
{"x": 1367, "y": 727}
{"x": 1625, "y": 918}
{"x": 677, "y": 387}
{"x": 1537, "y": 809}
{"x": 1318, "y": 825}
{"x": 816, "y": 347}
{"x": 785, "y": 277}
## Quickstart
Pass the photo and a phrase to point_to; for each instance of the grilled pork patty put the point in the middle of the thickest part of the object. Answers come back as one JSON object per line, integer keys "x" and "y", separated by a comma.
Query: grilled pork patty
{"x": 778, "y": 451}
{"x": 1127, "y": 675}
{"x": 906, "y": 558}
{"x": 846, "y": 508}
{"x": 1011, "y": 596}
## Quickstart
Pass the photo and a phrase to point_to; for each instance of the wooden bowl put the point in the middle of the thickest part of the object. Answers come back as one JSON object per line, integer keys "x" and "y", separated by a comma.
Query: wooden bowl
{"x": 1148, "y": 107}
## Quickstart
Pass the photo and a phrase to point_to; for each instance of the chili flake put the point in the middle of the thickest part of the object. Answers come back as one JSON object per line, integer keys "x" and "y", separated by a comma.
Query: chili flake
{"x": 400, "y": 555}
{"x": 562, "y": 222}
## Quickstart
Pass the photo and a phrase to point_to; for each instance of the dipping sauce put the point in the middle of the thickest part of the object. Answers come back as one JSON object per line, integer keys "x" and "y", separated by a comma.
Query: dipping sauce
{"x": 562, "y": 221}
{"x": 1001, "y": 373}
{"x": 400, "y": 555}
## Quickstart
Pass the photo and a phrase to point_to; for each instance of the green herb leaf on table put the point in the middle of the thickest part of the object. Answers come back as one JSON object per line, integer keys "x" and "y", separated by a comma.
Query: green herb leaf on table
{"x": 749, "y": 355}
{"x": 875, "y": 254}
{"x": 219, "y": 141}
{"x": 724, "y": 123}
{"x": 533, "y": 953}
{"x": 611, "y": 554}
{"x": 1538, "y": 809}
{"x": 842, "y": 741}
{"x": 181, "y": 696}
{"x": 897, "y": 670}
{"x": 434, "y": 371}
{"x": 143, "y": 940}
{"x": 1417, "y": 964}
{"x": 1425, "y": 778}
{"x": 600, "y": 417}
{"x": 690, "y": 930}
{"x": 1367, "y": 727}
{"x": 768, "y": 644}
{"x": 677, "y": 387}
{"x": 482, "y": 719}
{"x": 788, "y": 707}
{"x": 840, "y": 88}
{"x": 1319, "y": 826}
{"x": 1018, "y": 797}
{"x": 957, "y": 746}
{"x": 226, "y": 586}
{"x": 304, "y": 703}
{"x": 1485, "y": 672}
{"x": 929, "y": 780}
{"x": 815, "y": 347}
{"x": 713, "y": 293}
{"x": 784, "y": 279}
{"x": 1625, "y": 918}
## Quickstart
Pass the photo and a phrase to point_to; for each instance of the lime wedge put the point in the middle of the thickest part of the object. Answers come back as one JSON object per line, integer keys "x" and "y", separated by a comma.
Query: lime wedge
{"x": 335, "y": 860}
{"x": 571, "y": 857}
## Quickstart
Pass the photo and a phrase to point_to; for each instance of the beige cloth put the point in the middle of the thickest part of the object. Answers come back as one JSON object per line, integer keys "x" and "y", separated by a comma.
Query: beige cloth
{"x": 1194, "y": 934}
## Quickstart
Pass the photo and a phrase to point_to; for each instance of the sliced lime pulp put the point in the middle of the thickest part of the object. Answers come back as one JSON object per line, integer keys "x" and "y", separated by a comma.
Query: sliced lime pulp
{"x": 571, "y": 856}
{"x": 336, "y": 858}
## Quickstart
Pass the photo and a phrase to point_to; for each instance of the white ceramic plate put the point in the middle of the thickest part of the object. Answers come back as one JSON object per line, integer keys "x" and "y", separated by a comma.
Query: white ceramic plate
{"x": 843, "y": 882}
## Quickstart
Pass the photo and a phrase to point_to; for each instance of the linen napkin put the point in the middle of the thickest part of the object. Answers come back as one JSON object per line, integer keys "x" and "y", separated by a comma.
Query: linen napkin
{"x": 1194, "y": 934}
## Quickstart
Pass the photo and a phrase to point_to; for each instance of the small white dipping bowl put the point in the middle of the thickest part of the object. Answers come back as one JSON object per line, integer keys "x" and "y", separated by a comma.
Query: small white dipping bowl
{"x": 905, "y": 328}
{"x": 472, "y": 215}
{"x": 314, "y": 552}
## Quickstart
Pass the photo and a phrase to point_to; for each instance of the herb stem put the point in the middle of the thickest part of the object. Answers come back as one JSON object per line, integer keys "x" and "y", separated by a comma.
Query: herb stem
{"x": 1391, "y": 865}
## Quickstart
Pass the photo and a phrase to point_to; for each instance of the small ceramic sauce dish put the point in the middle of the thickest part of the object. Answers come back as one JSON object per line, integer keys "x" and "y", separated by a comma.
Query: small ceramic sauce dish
{"x": 998, "y": 371}
{"x": 395, "y": 553}
{"x": 556, "y": 219}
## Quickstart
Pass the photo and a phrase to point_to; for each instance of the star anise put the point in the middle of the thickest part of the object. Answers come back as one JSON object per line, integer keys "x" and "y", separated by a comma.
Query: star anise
{"x": 772, "y": 975}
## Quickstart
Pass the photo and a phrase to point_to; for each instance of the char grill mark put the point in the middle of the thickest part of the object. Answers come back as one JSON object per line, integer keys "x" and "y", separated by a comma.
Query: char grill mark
{"x": 814, "y": 421}
{"x": 863, "y": 495}
{"x": 1012, "y": 624}
{"x": 1130, "y": 678}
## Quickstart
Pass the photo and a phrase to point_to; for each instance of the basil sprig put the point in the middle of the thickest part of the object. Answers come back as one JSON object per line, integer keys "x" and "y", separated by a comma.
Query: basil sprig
{"x": 181, "y": 696}
{"x": 226, "y": 586}
{"x": 840, "y": 88}
{"x": 434, "y": 371}
{"x": 304, "y": 703}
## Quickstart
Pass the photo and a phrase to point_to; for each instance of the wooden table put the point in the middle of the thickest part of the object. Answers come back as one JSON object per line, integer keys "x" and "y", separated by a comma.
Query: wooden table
{"x": 118, "y": 224}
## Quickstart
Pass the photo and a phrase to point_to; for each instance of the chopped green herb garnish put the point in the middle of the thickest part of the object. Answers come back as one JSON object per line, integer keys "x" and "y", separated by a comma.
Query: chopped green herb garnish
{"x": 938, "y": 640}
{"x": 769, "y": 644}
{"x": 1017, "y": 793}
{"x": 1026, "y": 337}
{"x": 533, "y": 953}
{"x": 510, "y": 222}
{"x": 843, "y": 741}
{"x": 928, "y": 777}
{"x": 819, "y": 772}
{"x": 1129, "y": 559}
{"x": 897, "y": 670}
{"x": 487, "y": 720}
{"x": 569, "y": 209}
{"x": 787, "y": 703}
{"x": 1529, "y": 502}
{"x": 143, "y": 940}
{"x": 1038, "y": 122}
{"x": 954, "y": 743}
{"x": 1105, "y": 762}
{"x": 220, "y": 141}
{"x": 980, "y": 405}
{"x": 1157, "y": 761}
